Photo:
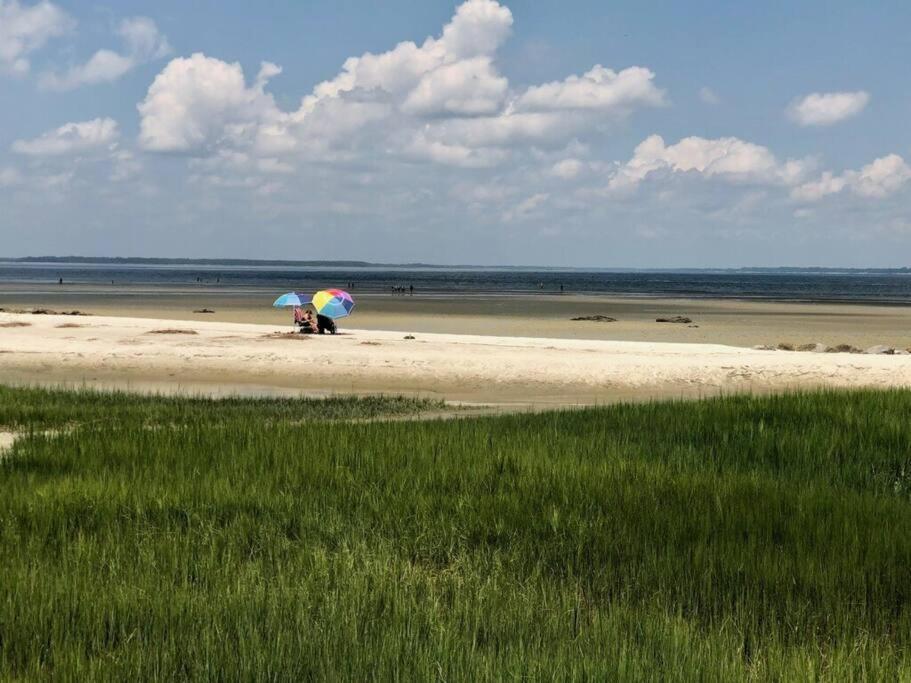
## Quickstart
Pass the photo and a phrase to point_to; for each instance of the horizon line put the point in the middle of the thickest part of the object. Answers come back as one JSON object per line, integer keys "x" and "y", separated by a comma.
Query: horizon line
{"x": 357, "y": 263}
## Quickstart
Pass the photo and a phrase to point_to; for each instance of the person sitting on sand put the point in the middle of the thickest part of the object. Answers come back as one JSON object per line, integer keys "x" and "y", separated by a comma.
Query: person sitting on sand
{"x": 307, "y": 324}
{"x": 325, "y": 324}
{"x": 304, "y": 320}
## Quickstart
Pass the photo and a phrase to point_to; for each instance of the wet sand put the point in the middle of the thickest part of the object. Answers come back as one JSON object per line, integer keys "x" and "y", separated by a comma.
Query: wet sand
{"x": 729, "y": 322}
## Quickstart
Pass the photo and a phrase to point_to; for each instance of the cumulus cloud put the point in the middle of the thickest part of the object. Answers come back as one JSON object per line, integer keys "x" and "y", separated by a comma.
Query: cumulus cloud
{"x": 729, "y": 159}
{"x": 882, "y": 177}
{"x": 828, "y": 183}
{"x": 452, "y": 154}
{"x": 71, "y": 138}
{"x": 142, "y": 43}
{"x": 442, "y": 101}
{"x": 878, "y": 179}
{"x": 476, "y": 30}
{"x": 197, "y": 100}
{"x": 470, "y": 86}
{"x": 824, "y": 109}
{"x": 599, "y": 89}
{"x": 25, "y": 29}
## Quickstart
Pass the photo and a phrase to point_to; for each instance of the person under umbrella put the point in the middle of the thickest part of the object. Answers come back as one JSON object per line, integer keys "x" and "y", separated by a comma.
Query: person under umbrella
{"x": 295, "y": 300}
{"x": 331, "y": 304}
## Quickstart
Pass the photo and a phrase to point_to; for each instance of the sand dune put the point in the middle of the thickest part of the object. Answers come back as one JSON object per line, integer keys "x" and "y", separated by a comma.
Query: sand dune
{"x": 230, "y": 357}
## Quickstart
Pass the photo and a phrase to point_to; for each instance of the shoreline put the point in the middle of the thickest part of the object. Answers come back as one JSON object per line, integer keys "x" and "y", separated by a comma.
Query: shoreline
{"x": 19, "y": 291}
{"x": 546, "y": 315}
{"x": 255, "y": 359}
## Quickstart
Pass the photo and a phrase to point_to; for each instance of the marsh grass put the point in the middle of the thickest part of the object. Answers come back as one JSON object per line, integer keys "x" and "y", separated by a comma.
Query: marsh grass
{"x": 730, "y": 539}
{"x": 39, "y": 408}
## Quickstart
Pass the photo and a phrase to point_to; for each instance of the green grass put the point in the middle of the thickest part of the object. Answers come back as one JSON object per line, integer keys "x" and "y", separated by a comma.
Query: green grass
{"x": 36, "y": 408}
{"x": 729, "y": 539}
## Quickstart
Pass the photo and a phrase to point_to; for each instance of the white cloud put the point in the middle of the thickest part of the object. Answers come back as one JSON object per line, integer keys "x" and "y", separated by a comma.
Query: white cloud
{"x": 504, "y": 130}
{"x": 824, "y": 109}
{"x": 470, "y": 87}
{"x": 876, "y": 180}
{"x": 421, "y": 148}
{"x": 567, "y": 169}
{"x": 599, "y": 89}
{"x": 143, "y": 43}
{"x": 195, "y": 101}
{"x": 24, "y": 29}
{"x": 441, "y": 101}
{"x": 479, "y": 27}
{"x": 71, "y": 138}
{"x": 882, "y": 176}
{"x": 143, "y": 39}
{"x": 827, "y": 184}
{"x": 709, "y": 96}
{"x": 729, "y": 159}
{"x": 476, "y": 30}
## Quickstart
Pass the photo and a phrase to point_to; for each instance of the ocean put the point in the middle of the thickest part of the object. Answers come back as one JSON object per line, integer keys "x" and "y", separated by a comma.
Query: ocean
{"x": 883, "y": 288}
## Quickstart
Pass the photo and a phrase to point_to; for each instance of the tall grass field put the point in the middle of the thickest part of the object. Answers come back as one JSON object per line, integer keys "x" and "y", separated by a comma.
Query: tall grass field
{"x": 739, "y": 538}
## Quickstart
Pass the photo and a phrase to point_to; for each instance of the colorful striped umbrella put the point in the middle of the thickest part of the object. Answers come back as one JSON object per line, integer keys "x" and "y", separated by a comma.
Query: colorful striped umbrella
{"x": 333, "y": 303}
{"x": 292, "y": 299}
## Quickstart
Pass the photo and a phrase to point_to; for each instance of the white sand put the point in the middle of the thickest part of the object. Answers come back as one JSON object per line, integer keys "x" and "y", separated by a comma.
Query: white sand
{"x": 229, "y": 357}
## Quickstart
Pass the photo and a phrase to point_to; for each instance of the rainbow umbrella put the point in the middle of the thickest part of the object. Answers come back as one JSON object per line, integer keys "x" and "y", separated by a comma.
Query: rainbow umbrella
{"x": 333, "y": 303}
{"x": 292, "y": 299}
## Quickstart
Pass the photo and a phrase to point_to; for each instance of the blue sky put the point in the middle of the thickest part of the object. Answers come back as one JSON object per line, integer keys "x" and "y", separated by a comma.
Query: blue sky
{"x": 585, "y": 134}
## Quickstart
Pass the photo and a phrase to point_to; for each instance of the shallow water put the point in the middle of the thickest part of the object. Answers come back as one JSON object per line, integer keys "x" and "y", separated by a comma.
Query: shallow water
{"x": 784, "y": 286}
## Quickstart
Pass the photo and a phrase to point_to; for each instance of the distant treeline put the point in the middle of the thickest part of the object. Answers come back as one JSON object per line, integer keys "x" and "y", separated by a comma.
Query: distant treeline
{"x": 792, "y": 269}
{"x": 155, "y": 261}
{"x": 136, "y": 260}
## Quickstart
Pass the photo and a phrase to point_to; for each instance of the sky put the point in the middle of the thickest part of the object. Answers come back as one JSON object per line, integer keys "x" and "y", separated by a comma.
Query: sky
{"x": 587, "y": 134}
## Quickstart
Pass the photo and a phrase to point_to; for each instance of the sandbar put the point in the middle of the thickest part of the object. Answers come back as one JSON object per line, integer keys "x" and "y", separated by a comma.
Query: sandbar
{"x": 216, "y": 357}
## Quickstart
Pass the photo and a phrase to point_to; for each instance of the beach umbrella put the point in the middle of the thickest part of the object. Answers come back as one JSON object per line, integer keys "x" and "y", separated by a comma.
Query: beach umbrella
{"x": 333, "y": 303}
{"x": 292, "y": 299}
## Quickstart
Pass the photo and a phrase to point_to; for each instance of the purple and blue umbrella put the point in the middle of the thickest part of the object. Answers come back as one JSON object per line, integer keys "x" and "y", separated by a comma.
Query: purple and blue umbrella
{"x": 292, "y": 299}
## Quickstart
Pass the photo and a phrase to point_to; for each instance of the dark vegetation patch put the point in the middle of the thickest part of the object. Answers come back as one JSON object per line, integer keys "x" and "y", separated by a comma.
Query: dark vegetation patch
{"x": 172, "y": 330}
{"x": 845, "y": 348}
{"x": 596, "y": 318}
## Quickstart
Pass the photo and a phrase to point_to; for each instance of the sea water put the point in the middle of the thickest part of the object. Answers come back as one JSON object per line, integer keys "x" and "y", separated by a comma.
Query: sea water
{"x": 873, "y": 287}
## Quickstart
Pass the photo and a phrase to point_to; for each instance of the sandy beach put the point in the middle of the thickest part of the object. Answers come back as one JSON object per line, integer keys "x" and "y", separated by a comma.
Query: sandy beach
{"x": 223, "y": 357}
{"x": 733, "y": 322}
